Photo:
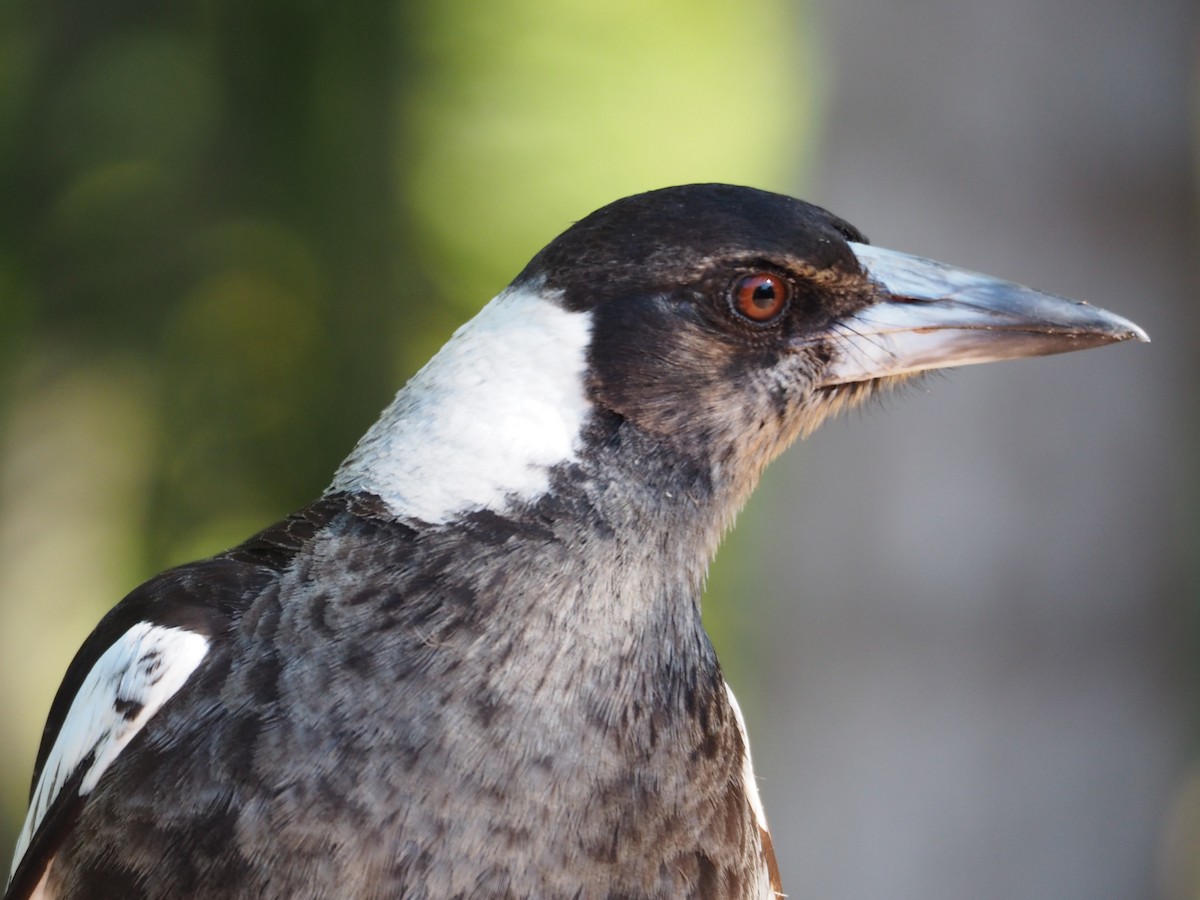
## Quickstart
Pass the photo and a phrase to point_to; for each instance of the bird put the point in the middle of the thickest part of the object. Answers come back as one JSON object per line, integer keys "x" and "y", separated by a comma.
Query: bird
{"x": 475, "y": 666}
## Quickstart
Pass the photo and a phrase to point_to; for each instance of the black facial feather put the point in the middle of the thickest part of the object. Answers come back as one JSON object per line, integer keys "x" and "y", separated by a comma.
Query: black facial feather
{"x": 662, "y": 239}
{"x": 669, "y": 353}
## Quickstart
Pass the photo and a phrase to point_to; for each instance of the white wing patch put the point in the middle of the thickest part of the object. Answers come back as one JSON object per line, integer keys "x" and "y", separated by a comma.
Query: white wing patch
{"x": 760, "y": 815}
{"x": 129, "y": 683}
{"x": 768, "y": 875}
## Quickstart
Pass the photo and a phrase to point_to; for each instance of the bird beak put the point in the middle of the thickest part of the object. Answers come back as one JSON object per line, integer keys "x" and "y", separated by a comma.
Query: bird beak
{"x": 931, "y": 316}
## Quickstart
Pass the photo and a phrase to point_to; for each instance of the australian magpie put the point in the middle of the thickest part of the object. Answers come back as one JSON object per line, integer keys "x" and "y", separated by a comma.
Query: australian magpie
{"x": 475, "y": 666}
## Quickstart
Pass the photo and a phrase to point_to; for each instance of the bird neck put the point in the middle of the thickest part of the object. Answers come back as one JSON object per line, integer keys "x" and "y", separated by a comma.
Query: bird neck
{"x": 634, "y": 525}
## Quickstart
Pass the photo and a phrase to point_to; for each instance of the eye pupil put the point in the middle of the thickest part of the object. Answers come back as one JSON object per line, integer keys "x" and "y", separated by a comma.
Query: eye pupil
{"x": 760, "y": 297}
{"x": 764, "y": 295}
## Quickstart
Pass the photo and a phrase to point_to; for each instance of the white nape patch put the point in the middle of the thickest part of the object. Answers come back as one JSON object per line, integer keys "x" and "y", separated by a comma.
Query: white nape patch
{"x": 499, "y": 405}
{"x": 129, "y": 683}
{"x": 760, "y": 814}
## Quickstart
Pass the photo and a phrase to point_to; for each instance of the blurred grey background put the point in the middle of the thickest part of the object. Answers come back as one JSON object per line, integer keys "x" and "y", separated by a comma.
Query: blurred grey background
{"x": 978, "y": 608}
{"x": 962, "y": 623}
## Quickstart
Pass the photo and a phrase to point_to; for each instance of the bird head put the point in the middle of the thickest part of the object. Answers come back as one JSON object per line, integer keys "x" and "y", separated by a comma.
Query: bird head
{"x": 729, "y": 321}
{"x": 716, "y": 323}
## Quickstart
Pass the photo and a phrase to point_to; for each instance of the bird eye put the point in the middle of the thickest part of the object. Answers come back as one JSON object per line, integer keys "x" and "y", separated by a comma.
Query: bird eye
{"x": 760, "y": 297}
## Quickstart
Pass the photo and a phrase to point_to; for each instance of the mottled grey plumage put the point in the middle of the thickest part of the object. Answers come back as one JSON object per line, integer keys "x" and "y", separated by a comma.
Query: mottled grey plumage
{"x": 511, "y": 693}
{"x": 550, "y": 717}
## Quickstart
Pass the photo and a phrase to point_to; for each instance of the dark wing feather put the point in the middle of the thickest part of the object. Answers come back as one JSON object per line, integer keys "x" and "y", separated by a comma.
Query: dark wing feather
{"x": 201, "y": 598}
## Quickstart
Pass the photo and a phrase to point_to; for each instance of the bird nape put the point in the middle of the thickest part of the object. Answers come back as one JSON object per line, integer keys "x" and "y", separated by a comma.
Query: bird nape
{"x": 475, "y": 666}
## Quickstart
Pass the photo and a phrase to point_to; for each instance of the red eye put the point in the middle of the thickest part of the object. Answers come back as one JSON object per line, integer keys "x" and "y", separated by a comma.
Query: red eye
{"x": 760, "y": 297}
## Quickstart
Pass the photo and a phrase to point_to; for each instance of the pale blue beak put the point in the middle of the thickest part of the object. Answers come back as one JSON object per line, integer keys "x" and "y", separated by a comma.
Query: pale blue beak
{"x": 933, "y": 316}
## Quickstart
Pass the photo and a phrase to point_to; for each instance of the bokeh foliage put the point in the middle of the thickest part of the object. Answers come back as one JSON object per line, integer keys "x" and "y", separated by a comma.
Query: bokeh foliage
{"x": 229, "y": 230}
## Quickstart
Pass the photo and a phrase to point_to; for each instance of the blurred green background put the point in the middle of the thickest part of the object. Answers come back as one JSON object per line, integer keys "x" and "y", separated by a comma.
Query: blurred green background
{"x": 963, "y": 631}
{"x": 229, "y": 231}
